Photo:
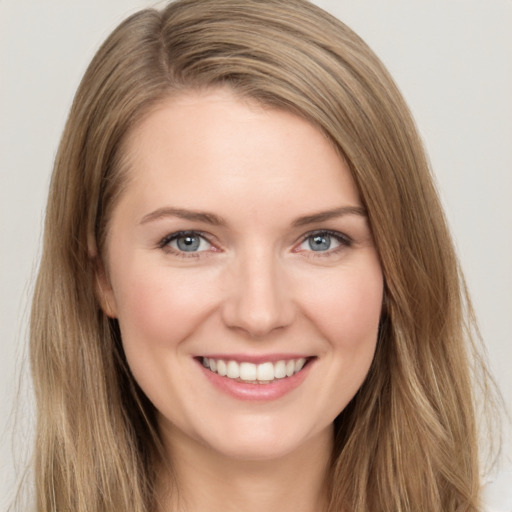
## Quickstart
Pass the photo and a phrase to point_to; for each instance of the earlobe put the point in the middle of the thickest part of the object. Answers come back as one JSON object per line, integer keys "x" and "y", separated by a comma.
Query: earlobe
{"x": 103, "y": 290}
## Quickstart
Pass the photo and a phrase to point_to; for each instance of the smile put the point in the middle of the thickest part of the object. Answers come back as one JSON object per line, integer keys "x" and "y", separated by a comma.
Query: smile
{"x": 250, "y": 373}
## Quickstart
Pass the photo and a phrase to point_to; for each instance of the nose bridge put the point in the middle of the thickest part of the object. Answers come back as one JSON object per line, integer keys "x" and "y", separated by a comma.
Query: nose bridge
{"x": 258, "y": 302}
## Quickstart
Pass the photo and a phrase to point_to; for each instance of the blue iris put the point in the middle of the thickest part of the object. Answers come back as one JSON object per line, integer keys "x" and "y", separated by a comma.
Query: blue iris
{"x": 188, "y": 243}
{"x": 319, "y": 242}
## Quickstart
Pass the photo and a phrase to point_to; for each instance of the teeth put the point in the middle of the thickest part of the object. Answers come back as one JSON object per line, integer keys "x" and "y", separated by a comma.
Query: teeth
{"x": 222, "y": 369}
{"x": 233, "y": 370}
{"x": 266, "y": 371}
{"x": 298, "y": 364}
{"x": 255, "y": 373}
{"x": 280, "y": 369}
{"x": 247, "y": 371}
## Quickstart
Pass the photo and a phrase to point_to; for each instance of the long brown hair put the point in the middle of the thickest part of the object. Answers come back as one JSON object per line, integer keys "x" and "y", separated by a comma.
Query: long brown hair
{"x": 408, "y": 439}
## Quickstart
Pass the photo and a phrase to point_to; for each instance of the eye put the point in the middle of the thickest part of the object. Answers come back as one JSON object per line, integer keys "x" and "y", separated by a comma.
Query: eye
{"x": 186, "y": 242}
{"x": 324, "y": 242}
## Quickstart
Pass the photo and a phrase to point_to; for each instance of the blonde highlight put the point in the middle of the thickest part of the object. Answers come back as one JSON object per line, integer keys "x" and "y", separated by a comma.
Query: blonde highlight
{"x": 408, "y": 440}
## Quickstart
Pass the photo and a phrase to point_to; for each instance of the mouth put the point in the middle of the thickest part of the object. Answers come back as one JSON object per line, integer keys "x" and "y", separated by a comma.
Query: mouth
{"x": 266, "y": 372}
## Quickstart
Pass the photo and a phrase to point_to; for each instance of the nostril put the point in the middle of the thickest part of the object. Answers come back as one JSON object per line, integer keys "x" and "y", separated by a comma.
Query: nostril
{"x": 257, "y": 318}
{"x": 257, "y": 300}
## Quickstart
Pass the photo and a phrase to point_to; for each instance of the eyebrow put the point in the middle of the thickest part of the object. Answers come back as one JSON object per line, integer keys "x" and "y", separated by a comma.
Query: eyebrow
{"x": 215, "y": 220}
{"x": 193, "y": 215}
{"x": 330, "y": 214}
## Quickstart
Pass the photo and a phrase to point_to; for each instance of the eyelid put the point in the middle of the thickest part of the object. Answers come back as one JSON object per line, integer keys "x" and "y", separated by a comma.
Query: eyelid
{"x": 344, "y": 240}
{"x": 177, "y": 234}
{"x": 167, "y": 239}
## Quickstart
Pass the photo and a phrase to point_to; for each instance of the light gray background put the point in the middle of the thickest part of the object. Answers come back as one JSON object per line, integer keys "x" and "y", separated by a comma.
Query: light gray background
{"x": 451, "y": 58}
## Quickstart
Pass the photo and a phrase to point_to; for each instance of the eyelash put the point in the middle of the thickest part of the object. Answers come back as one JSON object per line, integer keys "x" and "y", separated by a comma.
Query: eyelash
{"x": 164, "y": 243}
{"x": 341, "y": 238}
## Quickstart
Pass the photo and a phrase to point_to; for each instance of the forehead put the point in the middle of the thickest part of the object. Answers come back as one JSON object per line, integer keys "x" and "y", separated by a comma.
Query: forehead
{"x": 213, "y": 149}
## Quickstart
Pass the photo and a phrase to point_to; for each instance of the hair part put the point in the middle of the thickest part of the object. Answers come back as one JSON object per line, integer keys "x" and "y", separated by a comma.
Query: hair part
{"x": 408, "y": 439}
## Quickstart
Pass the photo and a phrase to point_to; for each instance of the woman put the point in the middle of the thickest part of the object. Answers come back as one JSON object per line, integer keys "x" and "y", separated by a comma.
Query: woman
{"x": 247, "y": 279}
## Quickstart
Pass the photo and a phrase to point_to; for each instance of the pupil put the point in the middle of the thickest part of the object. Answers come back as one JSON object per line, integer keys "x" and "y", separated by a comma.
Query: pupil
{"x": 188, "y": 243}
{"x": 320, "y": 242}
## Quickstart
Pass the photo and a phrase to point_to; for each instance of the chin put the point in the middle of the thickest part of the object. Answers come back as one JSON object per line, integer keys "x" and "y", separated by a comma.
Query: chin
{"x": 263, "y": 439}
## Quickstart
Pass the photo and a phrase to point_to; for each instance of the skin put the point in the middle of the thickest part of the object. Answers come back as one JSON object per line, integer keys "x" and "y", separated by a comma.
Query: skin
{"x": 254, "y": 287}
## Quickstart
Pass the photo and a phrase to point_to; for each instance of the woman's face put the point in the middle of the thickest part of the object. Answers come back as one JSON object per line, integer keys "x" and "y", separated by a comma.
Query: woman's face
{"x": 242, "y": 271}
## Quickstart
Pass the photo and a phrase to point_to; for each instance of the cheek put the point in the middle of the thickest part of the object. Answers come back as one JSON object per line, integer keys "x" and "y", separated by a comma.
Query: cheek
{"x": 160, "y": 307}
{"x": 347, "y": 308}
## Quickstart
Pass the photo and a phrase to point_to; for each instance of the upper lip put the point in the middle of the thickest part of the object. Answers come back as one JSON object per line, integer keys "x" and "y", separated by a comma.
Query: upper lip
{"x": 256, "y": 358}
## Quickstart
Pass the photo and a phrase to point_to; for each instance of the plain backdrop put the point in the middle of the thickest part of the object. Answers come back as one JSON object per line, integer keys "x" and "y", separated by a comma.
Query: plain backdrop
{"x": 452, "y": 60}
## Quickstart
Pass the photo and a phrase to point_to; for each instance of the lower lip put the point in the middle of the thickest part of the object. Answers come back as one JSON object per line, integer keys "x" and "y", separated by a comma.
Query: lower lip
{"x": 256, "y": 392}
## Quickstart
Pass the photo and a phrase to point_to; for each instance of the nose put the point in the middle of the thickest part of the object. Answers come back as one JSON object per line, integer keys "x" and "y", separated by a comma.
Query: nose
{"x": 258, "y": 300}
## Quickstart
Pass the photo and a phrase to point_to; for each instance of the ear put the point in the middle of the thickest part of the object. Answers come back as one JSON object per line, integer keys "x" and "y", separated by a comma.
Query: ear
{"x": 103, "y": 289}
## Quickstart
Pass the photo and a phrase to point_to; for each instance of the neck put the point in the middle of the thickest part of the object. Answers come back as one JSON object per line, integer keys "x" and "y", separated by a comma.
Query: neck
{"x": 211, "y": 482}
